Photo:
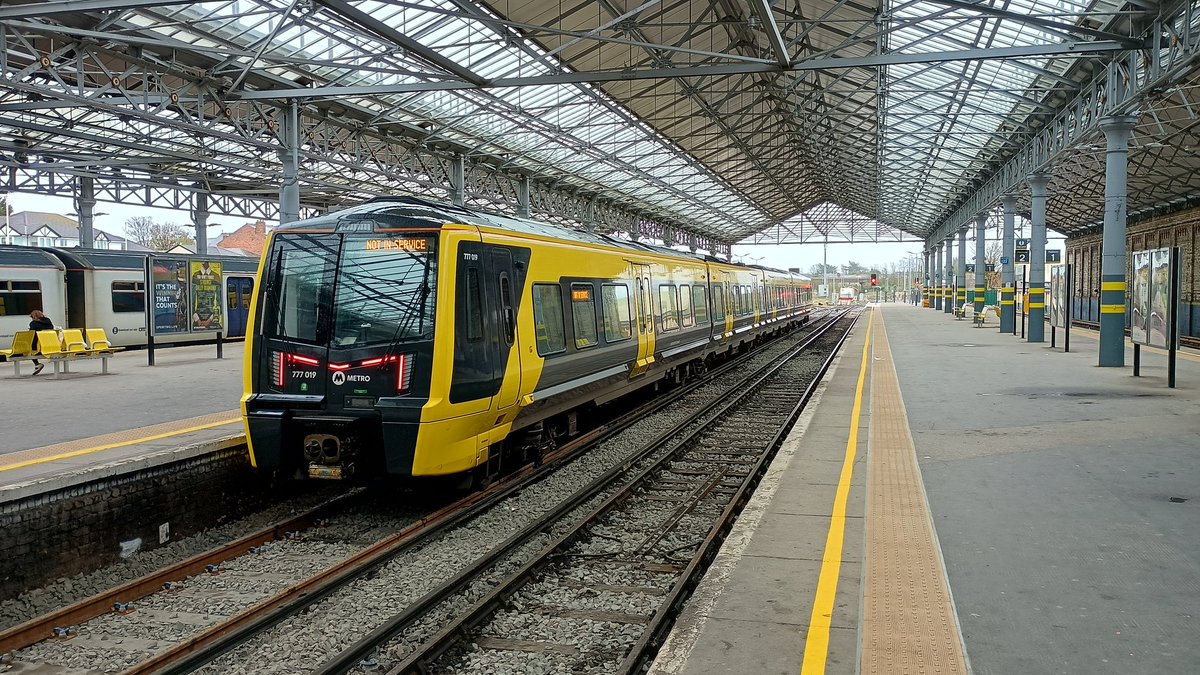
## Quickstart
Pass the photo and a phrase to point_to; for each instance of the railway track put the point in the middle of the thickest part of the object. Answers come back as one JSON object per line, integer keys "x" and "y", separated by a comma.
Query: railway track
{"x": 600, "y": 596}
{"x": 214, "y": 638}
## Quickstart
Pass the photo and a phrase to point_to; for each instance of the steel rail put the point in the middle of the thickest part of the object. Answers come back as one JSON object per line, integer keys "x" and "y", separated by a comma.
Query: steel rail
{"x": 652, "y": 639}
{"x": 42, "y": 628}
{"x": 422, "y": 659}
{"x": 219, "y": 639}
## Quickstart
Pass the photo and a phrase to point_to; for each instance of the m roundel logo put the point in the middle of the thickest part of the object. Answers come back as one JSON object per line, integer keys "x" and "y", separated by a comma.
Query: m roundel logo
{"x": 339, "y": 378}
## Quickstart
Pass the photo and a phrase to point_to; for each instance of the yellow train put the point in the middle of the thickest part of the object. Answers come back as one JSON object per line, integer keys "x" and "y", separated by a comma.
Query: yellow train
{"x": 411, "y": 338}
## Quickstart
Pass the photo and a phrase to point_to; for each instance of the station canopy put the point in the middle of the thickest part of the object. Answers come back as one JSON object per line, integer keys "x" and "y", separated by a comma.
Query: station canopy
{"x": 746, "y": 120}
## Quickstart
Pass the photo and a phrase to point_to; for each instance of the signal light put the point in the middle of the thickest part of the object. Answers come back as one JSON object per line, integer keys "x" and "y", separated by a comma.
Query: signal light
{"x": 874, "y": 280}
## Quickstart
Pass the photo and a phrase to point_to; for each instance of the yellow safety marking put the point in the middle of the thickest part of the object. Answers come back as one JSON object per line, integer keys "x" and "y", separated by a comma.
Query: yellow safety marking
{"x": 816, "y": 645}
{"x": 1008, "y": 302}
{"x": 1112, "y": 309}
{"x": 1112, "y": 285}
{"x": 110, "y": 446}
{"x": 1037, "y": 305}
{"x": 1037, "y": 291}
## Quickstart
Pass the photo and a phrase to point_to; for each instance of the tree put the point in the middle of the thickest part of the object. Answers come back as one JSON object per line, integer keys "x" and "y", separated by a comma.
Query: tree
{"x": 821, "y": 269}
{"x": 852, "y": 267}
{"x": 992, "y": 255}
{"x": 5, "y": 209}
{"x": 155, "y": 236}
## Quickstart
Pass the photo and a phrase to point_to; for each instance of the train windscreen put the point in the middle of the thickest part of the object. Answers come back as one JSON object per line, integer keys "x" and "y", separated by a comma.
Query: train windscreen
{"x": 385, "y": 291}
{"x": 348, "y": 291}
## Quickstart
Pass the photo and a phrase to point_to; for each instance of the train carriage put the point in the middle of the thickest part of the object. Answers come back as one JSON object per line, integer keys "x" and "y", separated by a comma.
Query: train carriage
{"x": 417, "y": 339}
{"x": 30, "y": 278}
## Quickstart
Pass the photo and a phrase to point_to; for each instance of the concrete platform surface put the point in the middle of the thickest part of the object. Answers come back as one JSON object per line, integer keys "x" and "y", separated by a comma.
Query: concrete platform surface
{"x": 86, "y": 426}
{"x": 185, "y": 382}
{"x": 1060, "y": 497}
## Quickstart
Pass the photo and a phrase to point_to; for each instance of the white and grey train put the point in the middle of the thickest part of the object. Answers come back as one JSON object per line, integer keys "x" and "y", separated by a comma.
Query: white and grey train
{"x": 79, "y": 288}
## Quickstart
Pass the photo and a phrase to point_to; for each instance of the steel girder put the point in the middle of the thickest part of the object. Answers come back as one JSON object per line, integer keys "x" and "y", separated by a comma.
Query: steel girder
{"x": 1134, "y": 80}
{"x": 73, "y": 102}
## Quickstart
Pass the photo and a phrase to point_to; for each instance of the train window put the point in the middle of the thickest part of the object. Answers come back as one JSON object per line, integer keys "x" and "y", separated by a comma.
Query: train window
{"x": 668, "y": 307}
{"x": 614, "y": 301}
{"x": 19, "y": 298}
{"x": 685, "y": 305}
{"x": 718, "y": 304}
{"x": 583, "y": 315}
{"x": 698, "y": 304}
{"x": 385, "y": 291}
{"x": 506, "y": 308}
{"x": 474, "y": 305}
{"x": 299, "y": 287}
{"x": 548, "y": 319}
{"x": 128, "y": 296}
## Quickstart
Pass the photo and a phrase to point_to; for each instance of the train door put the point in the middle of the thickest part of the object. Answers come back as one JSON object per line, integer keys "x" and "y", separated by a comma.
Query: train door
{"x": 731, "y": 308}
{"x": 502, "y": 294}
{"x": 645, "y": 317}
{"x": 237, "y": 292}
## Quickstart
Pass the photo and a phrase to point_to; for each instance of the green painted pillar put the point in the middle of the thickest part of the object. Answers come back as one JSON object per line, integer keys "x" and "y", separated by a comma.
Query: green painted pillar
{"x": 1112, "y": 252}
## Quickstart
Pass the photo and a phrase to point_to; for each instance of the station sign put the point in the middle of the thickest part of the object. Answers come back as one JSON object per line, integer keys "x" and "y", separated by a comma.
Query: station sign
{"x": 1022, "y": 255}
{"x": 1003, "y": 260}
{"x": 1054, "y": 256}
{"x": 971, "y": 268}
{"x": 1022, "y": 243}
{"x": 989, "y": 267}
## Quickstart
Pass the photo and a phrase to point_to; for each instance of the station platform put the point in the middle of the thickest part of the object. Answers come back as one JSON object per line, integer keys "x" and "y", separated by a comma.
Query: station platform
{"x": 84, "y": 425}
{"x": 960, "y": 500}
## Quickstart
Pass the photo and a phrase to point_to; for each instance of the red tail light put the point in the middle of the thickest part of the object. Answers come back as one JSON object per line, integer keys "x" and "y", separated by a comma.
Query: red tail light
{"x": 308, "y": 361}
{"x": 278, "y": 369}
{"x": 339, "y": 366}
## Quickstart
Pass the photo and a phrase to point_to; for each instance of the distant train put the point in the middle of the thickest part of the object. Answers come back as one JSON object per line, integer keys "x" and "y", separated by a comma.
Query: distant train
{"x": 848, "y": 295}
{"x": 81, "y": 288}
{"x": 409, "y": 338}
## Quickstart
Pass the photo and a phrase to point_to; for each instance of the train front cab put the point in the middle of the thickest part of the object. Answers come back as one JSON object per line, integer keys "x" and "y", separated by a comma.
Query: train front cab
{"x": 352, "y": 368}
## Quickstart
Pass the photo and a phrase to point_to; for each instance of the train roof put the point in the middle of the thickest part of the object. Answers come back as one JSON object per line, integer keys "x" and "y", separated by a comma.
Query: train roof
{"x": 27, "y": 256}
{"x": 413, "y": 212}
{"x": 78, "y": 258}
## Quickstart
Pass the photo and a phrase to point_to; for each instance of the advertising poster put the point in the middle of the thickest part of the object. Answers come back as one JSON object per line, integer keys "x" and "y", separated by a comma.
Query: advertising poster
{"x": 1058, "y": 293}
{"x": 1139, "y": 318}
{"x": 1160, "y": 298}
{"x": 170, "y": 296}
{"x": 206, "y": 295}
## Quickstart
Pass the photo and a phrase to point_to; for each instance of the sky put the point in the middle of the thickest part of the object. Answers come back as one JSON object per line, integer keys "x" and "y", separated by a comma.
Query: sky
{"x": 111, "y": 218}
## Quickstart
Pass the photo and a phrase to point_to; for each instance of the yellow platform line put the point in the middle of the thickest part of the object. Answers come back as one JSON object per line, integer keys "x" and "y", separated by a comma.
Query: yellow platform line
{"x": 816, "y": 644}
{"x": 109, "y": 446}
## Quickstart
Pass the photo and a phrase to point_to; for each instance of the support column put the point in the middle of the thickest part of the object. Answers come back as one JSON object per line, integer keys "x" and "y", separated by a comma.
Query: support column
{"x": 458, "y": 181}
{"x": 523, "y": 197}
{"x": 289, "y": 158}
{"x": 1112, "y": 251}
{"x": 925, "y": 280}
{"x": 85, "y": 206}
{"x": 1037, "y": 257}
{"x": 200, "y": 218}
{"x": 948, "y": 278}
{"x": 961, "y": 298}
{"x": 937, "y": 275}
{"x": 1008, "y": 309}
{"x": 980, "y": 262}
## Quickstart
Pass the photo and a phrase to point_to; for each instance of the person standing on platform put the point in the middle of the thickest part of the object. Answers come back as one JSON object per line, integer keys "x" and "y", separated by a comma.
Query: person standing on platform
{"x": 38, "y": 321}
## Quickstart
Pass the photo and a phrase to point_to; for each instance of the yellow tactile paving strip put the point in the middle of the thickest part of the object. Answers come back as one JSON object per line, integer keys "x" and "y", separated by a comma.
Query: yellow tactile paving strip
{"x": 49, "y": 453}
{"x": 908, "y": 620}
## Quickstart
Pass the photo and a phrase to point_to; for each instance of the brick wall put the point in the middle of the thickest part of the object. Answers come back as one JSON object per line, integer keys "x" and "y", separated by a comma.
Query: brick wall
{"x": 81, "y": 528}
{"x": 1181, "y": 228}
